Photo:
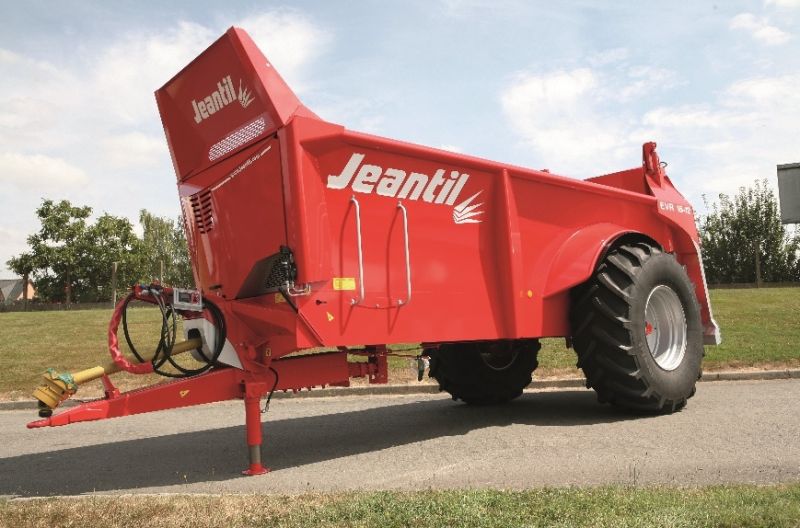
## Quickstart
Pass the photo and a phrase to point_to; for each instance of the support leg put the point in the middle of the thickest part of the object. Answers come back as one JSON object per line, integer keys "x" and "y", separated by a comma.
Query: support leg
{"x": 253, "y": 424}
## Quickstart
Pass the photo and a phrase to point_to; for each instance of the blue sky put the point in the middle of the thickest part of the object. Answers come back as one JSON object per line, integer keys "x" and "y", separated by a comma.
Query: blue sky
{"x": 575, "y": 87}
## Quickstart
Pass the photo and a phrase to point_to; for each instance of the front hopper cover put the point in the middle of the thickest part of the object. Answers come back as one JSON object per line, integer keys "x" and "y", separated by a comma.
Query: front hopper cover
{"x": 226, "y": 99}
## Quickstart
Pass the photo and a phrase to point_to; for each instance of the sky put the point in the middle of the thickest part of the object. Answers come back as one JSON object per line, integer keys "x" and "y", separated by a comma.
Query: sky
{"x": 572, "y": 86}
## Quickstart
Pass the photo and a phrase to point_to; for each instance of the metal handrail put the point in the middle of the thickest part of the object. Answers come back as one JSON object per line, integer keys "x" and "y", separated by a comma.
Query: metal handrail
{"x": 360, "y": 253}
{"x": 408, "y": 255}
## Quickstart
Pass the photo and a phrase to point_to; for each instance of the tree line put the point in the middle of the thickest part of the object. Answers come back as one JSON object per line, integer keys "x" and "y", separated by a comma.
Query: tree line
{"x": 743, "y": 240}
{"x": 72, "y": 259}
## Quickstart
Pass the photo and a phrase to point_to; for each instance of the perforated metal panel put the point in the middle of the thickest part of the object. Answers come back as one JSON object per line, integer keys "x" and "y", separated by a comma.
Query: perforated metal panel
{"x": 243, "y": 135}
{"x": 789, "y": 192}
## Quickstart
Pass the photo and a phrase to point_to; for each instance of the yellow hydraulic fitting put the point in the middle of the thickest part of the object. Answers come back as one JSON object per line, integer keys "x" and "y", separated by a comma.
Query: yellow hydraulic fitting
{"x": 59, "y": 387}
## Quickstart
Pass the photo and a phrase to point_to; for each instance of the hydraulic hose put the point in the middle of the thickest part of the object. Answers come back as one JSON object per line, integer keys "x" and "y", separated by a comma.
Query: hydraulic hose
{"x": 163, "y": 353}
{"x": 113, "y": 342}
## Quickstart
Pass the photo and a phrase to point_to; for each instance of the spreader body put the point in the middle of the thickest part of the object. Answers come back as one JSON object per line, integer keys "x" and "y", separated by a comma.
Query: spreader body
{"x": 391, "y": 242}
{"x": 305, "y": 235}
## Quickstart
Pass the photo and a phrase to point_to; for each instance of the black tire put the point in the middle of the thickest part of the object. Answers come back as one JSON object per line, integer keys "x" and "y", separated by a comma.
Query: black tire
{"x": 484, "y": 372}
{"x": 610, "y": 331}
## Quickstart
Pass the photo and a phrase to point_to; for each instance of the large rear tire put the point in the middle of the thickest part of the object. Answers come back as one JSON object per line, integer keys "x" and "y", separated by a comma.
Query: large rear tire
{"x": 485, "y": 372}
{"x": 637, "y": 330}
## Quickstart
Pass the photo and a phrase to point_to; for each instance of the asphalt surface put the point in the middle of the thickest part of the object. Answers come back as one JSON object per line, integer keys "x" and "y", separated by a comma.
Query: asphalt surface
{"x": 743, "y": 431}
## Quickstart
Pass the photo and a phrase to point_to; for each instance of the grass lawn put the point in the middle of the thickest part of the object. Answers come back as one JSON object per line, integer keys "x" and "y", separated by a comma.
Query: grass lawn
{"x": 31, "y": 342}
{"x": 760, "y": 328}
{"x": 716, "y": 506}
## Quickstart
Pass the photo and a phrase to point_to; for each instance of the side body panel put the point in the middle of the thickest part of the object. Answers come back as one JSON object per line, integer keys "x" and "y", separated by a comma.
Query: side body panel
{"x": 505, "y": 273}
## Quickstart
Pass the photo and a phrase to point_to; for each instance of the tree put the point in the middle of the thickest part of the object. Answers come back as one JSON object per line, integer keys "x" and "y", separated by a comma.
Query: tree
{"x": 164, "y": 250}
{"x": 743, "y": 234}
{"x": 71, "y": 259}
{"x": 22, "y": 266}
{"x": 113, "y": 240}
{"x": 58, "y": 249}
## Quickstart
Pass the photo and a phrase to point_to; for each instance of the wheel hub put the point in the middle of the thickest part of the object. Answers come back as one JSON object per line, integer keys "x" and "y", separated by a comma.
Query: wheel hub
{"x": 665, "y": 327}
{"x": 499, "y": 356}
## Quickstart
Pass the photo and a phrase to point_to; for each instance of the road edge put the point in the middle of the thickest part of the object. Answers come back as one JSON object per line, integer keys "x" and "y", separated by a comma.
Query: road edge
{"x": 427, "y": 388}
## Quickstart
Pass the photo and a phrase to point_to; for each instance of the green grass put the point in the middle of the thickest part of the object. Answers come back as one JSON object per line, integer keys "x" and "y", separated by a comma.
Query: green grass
{"x": 760, "y": 328}
{"x": 31, "y": 342}
{"x": 717, "y": 506}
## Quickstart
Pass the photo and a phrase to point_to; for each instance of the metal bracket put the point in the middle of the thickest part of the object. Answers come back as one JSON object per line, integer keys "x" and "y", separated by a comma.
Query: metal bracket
{"x": 294, "y": 291}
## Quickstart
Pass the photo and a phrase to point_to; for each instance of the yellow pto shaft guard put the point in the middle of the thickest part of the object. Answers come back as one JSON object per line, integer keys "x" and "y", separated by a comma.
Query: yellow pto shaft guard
{"x": 59, "y": 387}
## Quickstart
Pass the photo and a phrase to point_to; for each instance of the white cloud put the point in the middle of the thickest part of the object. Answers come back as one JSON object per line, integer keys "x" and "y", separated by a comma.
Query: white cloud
{"x": 8, "y": 57}
{"x": 12, "y": 243}
{"x": 609, "y": 56}
{"x": 699, "y": 117}
{"x": 580, "y": 123}
{"x": 289, "y": 40}
{"x": 786, "y": 4}
{"x": 734, "y": 140}
{"x": 34, "y": 93}
{"x": 39, "y": 172}
{"x": 126, "y": 74}
{"x": 113, "y": 89}
{"x": 559, "y": 86}
{"x": 760, "y": 29}
{"x": 463, "y": 8}
{"x": 779, "y": 92}
{"x": 133, "y": 150}
{"x": 358, "y": 113}
{"x": 646, "y": 79}
{"x": 572, "y": 119}
{"x": 559, "y": 114}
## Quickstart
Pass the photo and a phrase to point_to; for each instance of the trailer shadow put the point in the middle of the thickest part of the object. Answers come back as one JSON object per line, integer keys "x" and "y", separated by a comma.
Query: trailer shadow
{"x": 218, "y": 454}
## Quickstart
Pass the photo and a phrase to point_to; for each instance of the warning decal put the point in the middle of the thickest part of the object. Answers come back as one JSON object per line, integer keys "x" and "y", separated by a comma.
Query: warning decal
{"x": 344, "y": 283}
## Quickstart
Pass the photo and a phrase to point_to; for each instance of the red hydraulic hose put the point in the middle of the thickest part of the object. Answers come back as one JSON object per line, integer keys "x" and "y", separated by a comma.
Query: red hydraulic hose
{"x": 113, "y": 342}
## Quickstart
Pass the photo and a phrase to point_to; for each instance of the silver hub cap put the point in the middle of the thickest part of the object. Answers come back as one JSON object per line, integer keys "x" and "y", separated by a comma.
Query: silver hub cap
{"x": 665, "y": 327}
{"x": 499, "y": 356}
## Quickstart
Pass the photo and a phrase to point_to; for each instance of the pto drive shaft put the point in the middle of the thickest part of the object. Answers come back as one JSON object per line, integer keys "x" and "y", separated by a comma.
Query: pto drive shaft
{"x": 59, "y": 387}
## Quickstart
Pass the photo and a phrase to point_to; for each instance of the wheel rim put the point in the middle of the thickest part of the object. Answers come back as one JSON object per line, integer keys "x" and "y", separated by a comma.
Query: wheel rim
{"x": 499, "y": 357}
{"x": 665, "y": 327}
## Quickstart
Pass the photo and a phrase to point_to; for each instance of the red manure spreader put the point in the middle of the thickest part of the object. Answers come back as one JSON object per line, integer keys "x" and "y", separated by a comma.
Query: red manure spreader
{"x": 305, "y": 235}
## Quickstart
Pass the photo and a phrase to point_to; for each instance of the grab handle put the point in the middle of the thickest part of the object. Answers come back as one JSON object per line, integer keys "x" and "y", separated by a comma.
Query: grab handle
{"x": 360, "y": 253}
{"x": 408, "y": 255}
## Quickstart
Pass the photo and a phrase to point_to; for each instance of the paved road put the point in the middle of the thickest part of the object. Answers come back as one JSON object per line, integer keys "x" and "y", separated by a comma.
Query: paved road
{"x": 730, "y": 432}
